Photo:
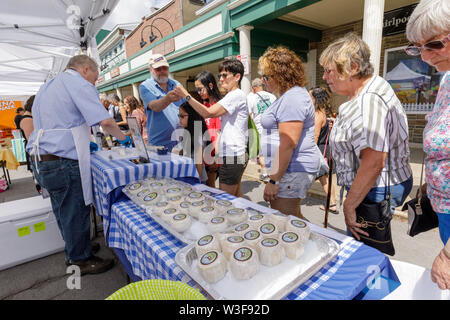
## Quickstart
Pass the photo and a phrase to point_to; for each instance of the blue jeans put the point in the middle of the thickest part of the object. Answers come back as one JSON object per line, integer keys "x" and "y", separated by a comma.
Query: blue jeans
{"x": 444, "y": 226}
{"x": 62, "y": 180}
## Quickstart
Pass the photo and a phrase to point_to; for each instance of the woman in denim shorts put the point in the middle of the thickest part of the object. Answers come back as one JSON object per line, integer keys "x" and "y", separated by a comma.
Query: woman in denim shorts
{"x": 288, "y": 131}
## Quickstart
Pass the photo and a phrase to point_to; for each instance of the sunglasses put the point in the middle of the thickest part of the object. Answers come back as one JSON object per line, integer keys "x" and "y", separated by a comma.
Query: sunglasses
{"x": 265, "y": 77}
{"x": 199, "y": 89}
{"x": 413, "y": 50}
{"x": 222, "y": 75}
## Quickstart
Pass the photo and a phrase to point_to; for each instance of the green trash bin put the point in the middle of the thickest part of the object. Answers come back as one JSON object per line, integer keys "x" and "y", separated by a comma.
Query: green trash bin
{"x": 157, "y": 289}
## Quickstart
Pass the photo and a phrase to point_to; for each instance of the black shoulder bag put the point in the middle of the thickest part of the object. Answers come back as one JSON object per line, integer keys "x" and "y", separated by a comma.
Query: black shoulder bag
{"x": 376, "y": 218}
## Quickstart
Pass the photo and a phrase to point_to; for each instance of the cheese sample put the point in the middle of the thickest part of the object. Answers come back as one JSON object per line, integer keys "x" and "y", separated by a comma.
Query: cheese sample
{"x": 252, "y": 238}
{"x": 159, "y": 207}
{"x": 236, "y": 215}
{"x": 212, "y": 266}
{"x": 149, "y": 199}
{"x": 222, "y": 206}
{"x": 134, "y": 187}
{"x": 291, "y": 244}
{"x": 244, "y": 263}
{"x": 156, "y": 185}
{"x": 184, "y": 207}
{"x": 279, "y": 220}
{"x": 230, "y": 244}
{"x": 207, "y": 243}
{"x": 257, "y": 220}
{"x": 268, "y": 230}
{"x": 168, "y": 214}
{"x": 206, "y": 214}
{"x": 174, "y": 201}
{"x": 270, "y": 252}
{"x": 181, "y": 222}
{"x": 173, "y": 191}
{"x": 242, "y": 229}
{"x": 195, "y": 196}
{"x": 300, "y": 228}
{"x": 217, "y": 224}
{"x": 196, "y": 208}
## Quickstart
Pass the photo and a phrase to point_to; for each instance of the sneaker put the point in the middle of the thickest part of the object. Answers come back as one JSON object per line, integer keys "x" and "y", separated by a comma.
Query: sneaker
{"x": 94, "y": 265}
{"x": 95, "y": 248}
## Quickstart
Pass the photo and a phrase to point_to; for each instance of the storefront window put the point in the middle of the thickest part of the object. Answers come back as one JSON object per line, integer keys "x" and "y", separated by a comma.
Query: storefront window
{"x": 413, "y": 80}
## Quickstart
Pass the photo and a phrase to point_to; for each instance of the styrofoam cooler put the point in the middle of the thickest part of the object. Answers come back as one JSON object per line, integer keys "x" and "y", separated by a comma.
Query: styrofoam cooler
{"x": 28, "y": 231}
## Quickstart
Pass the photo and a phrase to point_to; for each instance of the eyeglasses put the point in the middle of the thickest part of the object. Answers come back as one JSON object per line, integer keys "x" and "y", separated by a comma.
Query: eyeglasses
{"x": 199, "y": 89}
{"x": 182, "y": 116}
{"x": 222, "y": 75}
{"x": 413, "y": 50}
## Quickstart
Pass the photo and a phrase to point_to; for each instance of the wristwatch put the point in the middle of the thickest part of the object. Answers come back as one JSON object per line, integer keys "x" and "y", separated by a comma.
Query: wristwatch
{"x": 274, "y": 182}
{"x": 188, "y": 97}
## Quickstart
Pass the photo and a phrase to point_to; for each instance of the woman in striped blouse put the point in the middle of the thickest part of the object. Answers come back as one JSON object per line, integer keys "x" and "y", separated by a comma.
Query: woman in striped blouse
{"x": 371, "y": 123}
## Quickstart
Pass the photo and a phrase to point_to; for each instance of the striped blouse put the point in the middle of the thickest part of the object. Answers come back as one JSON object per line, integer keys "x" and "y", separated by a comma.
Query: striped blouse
{"x": 363, "y": 122}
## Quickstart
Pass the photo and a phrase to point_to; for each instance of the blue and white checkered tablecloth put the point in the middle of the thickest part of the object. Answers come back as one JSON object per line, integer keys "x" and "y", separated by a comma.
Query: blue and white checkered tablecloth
{"x": 108, "y": 175}
{"x": 151, "y": 250}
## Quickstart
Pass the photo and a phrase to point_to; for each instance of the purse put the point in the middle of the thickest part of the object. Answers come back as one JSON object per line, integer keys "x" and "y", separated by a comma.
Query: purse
{"x": 376, "y": 218}
{"x": 421, "y": 216}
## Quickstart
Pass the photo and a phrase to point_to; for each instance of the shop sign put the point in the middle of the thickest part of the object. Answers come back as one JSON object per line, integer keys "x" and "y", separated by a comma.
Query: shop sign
{"x": 395, "y": 21}
{"x": 114, "y": 72}
{"x": 245, "y": 59}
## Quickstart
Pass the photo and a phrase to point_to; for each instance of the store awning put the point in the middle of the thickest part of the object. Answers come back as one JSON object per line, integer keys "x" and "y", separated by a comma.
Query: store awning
{"x": 37, "y": 38}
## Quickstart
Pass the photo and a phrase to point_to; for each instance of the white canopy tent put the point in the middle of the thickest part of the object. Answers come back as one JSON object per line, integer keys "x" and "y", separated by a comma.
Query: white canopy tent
{"x": 37, "y": 38}
{"x": 401, "y": 73}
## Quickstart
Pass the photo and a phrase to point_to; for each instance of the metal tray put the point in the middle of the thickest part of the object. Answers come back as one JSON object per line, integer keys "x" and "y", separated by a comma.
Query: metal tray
{"x": 270, "y": 283}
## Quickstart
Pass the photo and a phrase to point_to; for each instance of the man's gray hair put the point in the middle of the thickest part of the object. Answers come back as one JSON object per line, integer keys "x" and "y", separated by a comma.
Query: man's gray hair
{"x": 103, "y": 96}
{"x": 256, "y": 83}
{"x": 429, "y": 19}
{"x": 80, "y": 61}
{"x": 113, "y": 97}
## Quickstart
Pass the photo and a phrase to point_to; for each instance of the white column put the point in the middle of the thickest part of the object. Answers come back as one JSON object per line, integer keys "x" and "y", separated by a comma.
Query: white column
{"x": 245, "y": 52}
{"x": 311, "y": 68}
{"x": 136, "y": 91}
{"x": 373, "y": 30}
{"x": 119, "y": 93}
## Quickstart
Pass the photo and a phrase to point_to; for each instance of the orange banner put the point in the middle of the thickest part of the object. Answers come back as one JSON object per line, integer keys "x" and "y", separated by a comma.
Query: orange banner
{"x": 7, "y": 114}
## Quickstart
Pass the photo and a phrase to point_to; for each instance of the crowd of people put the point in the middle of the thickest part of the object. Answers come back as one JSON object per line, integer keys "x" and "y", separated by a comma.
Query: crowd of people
{"x": 367, "y": 140}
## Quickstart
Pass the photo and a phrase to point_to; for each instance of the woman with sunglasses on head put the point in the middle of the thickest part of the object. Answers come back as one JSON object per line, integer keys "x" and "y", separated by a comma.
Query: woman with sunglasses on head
{"x": 429, "y": 31}
{"x": 288, "y": 136}
{"x": 206, "y": 87}
{"x": 232, "y": 109}
{"x": 369, "y": 125}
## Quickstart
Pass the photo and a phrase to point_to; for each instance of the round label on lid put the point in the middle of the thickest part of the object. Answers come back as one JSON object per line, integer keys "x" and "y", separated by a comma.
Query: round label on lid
{"x": 207, "y": 209}
{"x": 298, "y": 223}
{"x": 289, "y": 237}
{"x": 252, "y": 235}
{"x": 278, "y": 213}
{"x": 208, "y": 258}
{"x": 173, "y": 190}
{"x": 179, "y": 217}
{"x": 243, "y": 254}
{"x": 170, "y": 211}
{"x": 217, "y": 220}
{"x": 235, "y": 239}
{"x": 235, "y": 211}
{"x": 184, "y": 204}
{"x": 267, "y": 228}
{"x": 224, "y": 203}
{"x": 162, "y": 204}
{"x": 195, "y": 195}
{"x": 242, "y": 227}
{"x": 143, "y": 192}
{"x": 156, "y": 184}
{"x": 197, "y": 203}
{"x": 175, "y": 198}
{"x": 203, "y": 241}
{"x": 150, "y": 197}
{"x": 269, "y": 242}
{"x": 257, "y": 217}
{"x": 135, "y": 186}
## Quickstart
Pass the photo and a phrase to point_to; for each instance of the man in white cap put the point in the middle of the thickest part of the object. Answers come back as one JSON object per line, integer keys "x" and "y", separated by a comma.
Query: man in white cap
{"x": 161, "y": 103}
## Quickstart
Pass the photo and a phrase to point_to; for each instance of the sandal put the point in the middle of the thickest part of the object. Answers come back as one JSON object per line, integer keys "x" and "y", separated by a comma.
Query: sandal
{"x": 335, "y": 211}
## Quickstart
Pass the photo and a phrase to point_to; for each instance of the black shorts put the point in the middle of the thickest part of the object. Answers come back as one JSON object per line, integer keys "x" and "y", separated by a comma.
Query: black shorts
{"x": 232, "y": 169}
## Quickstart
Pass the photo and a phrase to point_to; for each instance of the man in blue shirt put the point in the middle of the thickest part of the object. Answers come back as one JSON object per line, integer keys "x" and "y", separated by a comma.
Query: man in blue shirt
{"x": 63, "y": 111}
{"x": 161, "y": 103}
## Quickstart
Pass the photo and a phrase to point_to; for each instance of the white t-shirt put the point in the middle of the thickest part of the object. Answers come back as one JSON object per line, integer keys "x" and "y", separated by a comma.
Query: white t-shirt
{"x": 257, "y": 104}
{"x": 233, "y": 138}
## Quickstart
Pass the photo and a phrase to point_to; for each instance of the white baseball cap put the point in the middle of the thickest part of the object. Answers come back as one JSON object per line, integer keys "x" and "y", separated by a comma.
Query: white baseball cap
{"x": 158, "y": 60}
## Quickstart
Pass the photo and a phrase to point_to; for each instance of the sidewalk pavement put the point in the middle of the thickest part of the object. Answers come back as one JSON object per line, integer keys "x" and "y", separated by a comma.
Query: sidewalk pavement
{"x": 316, "y": 191}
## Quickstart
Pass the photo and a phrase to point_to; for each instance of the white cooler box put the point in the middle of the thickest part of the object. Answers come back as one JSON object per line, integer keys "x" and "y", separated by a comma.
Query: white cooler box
{"x": 28, "y": 231}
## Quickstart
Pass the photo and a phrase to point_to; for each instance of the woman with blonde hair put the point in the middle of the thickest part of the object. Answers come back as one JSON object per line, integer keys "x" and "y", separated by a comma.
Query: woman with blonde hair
{"x": 429, "y": 31}
{"x": 368, "y": 126}
{"x": 288, "y": 136}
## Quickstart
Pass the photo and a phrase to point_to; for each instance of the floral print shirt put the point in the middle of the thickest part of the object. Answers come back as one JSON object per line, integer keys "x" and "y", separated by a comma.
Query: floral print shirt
{"x": 436, "y": 145}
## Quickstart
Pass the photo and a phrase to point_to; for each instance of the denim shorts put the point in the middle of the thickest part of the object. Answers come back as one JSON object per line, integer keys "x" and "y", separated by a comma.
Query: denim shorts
{"x": 295, "y": 185}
